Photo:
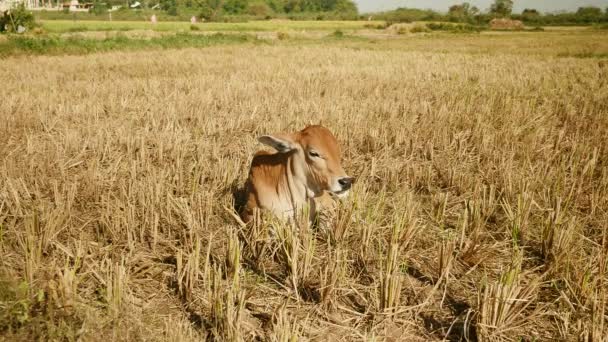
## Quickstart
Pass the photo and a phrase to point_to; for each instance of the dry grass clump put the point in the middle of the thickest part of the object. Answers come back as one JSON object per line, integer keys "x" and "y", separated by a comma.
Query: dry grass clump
{"x": 479, "y": 212}
{"x": 506, "y": 24}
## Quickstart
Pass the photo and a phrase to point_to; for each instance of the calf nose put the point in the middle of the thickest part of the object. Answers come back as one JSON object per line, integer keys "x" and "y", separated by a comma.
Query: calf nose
{"x": 346, "y": 182}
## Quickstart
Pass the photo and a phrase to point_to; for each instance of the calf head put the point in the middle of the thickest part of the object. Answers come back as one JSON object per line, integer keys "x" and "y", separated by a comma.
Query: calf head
{"x": 315, "y": 159}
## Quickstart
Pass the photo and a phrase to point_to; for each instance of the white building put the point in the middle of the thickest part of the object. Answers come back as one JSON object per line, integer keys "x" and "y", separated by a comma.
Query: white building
{"x": 30, "y": 4}
{"x": 73, "y": 5}
{"x": 8, "y": 4}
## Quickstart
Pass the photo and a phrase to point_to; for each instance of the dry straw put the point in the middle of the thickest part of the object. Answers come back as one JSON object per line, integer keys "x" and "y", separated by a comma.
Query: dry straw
{"x": 479, "y": 212}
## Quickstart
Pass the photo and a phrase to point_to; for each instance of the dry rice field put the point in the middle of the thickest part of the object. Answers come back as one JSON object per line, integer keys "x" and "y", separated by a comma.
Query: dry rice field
{"x": 479, "y": 213}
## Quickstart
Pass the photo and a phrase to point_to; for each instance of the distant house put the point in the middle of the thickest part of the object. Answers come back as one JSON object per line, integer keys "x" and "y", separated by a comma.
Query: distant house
{"x": 8, "y": 4}
{"x": 72, "y": 5}
{"x": 30, "y": 4}
{"x": 75, "y": 6}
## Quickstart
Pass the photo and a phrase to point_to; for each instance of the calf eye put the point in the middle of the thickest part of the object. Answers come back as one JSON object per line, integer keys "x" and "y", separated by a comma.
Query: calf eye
{"x": 313, "y": 154}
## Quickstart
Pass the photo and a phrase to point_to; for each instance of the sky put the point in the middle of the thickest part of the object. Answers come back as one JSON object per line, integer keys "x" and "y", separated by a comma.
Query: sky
{"x": 442, "y": 5}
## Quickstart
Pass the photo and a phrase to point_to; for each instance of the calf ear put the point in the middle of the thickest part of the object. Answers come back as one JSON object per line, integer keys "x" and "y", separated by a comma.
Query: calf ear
{"x": 281, "y": 143}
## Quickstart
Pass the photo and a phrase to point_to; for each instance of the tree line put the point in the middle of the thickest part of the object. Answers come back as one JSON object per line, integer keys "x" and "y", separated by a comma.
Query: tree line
{"x": 216, "y": 9}
{"x": 467, "y": 13}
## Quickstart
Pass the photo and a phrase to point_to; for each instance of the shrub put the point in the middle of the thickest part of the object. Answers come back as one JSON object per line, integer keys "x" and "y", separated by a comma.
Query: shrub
{"x": 402, "y": 30}
{"x": 11, "y": 20}
{"x": 78, "y": 29}
{"x": 259, "y": 9}
{"x": 454, "y": 28}
{"x": 16, "y": 305}
{"x": 374, "y": 26}
{"x": 338, "y": 34}
{"x": 282, "y": 35}
{"x": 408, "y": 15}
{"x": 98, "y": 8}
{"x": 194, "y": 27}
{"x": 420, "y": 29}
{"x": 206, "y": 13}
{"x": 170, "y": 6}
{"x": 537, "y": 29}
{"x": 234, "y": 19}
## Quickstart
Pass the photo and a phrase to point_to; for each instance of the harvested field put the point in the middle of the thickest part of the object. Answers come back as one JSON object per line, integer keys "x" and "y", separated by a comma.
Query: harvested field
{"x": 479, "y": 211}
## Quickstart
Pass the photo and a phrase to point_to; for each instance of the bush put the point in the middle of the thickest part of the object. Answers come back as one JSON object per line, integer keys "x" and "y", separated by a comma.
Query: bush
{"x": 537, "y": 29}
{"x": 78, "y": 29}
{"x": 454, "y": 28}
{"x": 98, "y": 8}
{"x": 407, "y": 15}
{"x": 338, "y": 34}
{"x": 206, "y": 13}
{"x": 234, "y": 19}
{"x": 194, "y": 28}
{"x": 402, "y": 30}
{"x": 282, "y": 35}
{"x": 11, "y": 20}
{"x": 374, "y": 26}
{"x": 21, "y": 44}
{"x": 259, "y": 9}
{"x": 420, "y": 29}
{"x": 169, "y": 6}
{"x": 38, "y": 31}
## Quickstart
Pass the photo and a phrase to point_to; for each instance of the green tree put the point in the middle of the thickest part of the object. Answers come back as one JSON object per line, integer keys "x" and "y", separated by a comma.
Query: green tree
{"x": 18, "y": 16}
{"x": 277, "y": 6}
{"x": 293, "y": 6}
{"x": 462, "y": 12}
{"x": 98, "y": 7}
{"x": 169, "y": 6}
{"x": 235, "y": 6}
{"x": 340, "y": 6}
{"x": 345, "y": 6}
{"x": 589, "y": 14}
{"x": 530, "y": 12}
{"x": 459, "y": 10}
{"x": 502, "y": 8}
{"x": 209, "y": 9}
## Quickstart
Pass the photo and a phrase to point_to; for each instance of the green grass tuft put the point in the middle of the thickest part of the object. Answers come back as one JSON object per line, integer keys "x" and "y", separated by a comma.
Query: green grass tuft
{"x": 54, "y": 45}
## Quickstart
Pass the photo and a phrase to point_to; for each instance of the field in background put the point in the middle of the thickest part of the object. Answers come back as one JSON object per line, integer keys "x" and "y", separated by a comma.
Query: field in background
{"x": 83, "y": 37}
{"x": 479, "y": 211}
{"x": 266, "y": 25}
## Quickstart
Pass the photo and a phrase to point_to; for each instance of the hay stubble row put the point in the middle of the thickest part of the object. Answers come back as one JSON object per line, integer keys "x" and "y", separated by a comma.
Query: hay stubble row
{"x": 479, "y": 211}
